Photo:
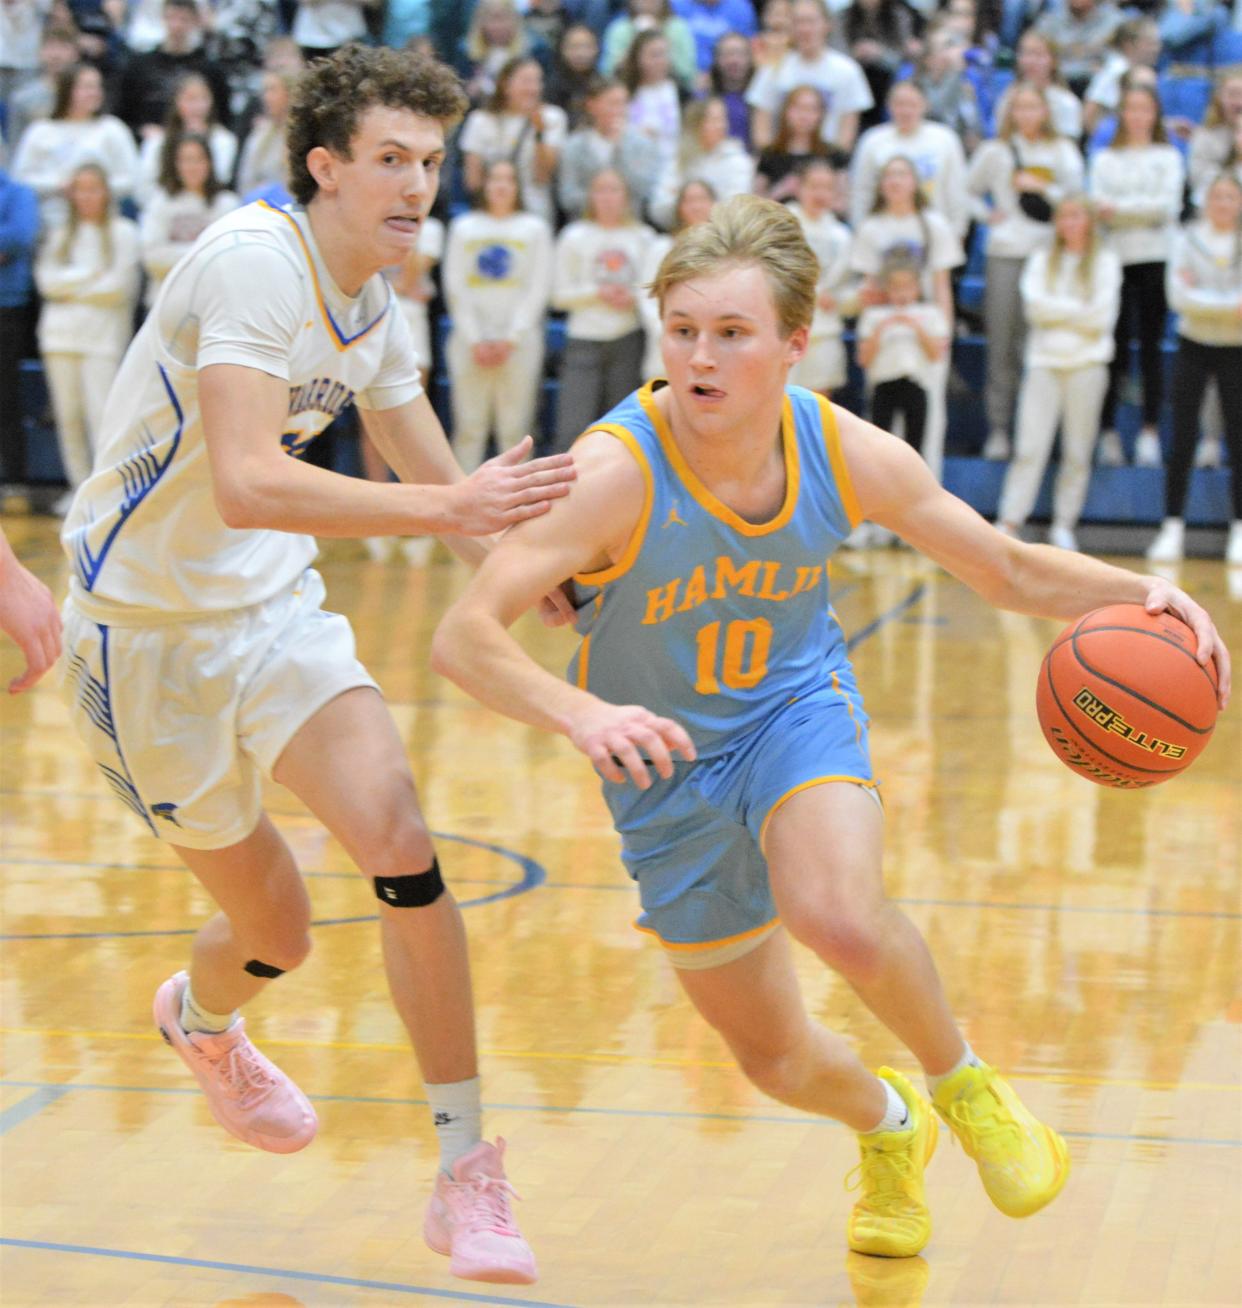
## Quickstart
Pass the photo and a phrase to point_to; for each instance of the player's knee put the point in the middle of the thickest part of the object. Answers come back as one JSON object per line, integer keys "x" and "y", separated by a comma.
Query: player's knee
{"x": 279, "y": 950}
{"x": 850, "y": 941}
{"x": 396, "y": 844}
{"x": 777, "y": 1071}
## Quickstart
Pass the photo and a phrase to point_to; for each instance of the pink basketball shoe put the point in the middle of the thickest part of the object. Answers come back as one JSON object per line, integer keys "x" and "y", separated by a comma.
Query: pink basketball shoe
{"x": 470, "y": 1220}
{"x": 247, "y": 1094}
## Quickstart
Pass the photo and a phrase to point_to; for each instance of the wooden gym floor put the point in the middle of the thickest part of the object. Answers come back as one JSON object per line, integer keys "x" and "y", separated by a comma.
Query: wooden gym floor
{"x": 1089, "y": 939}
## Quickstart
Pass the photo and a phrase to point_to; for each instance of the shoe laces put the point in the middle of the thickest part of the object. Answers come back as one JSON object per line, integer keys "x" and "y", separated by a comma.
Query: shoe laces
{"x": 884, "y": 1173}
{"x": 985, "y": 1121}
{"x": 489, "y": 1205}
{"x": 243, "y": 1073}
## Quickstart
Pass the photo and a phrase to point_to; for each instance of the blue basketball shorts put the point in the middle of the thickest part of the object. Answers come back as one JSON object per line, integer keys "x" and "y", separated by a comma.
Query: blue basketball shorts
{"x": 694, "y": 843}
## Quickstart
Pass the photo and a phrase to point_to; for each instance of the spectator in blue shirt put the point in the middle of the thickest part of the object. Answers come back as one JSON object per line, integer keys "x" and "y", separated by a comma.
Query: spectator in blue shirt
{"x": 709, "y": 20}
{"x": 19, "y": 227}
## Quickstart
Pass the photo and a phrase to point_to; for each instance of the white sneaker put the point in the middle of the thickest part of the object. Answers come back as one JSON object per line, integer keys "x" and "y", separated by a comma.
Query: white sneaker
{"x": 1170, "y": 543}
{"x": 1208, "y": 455}
{"x": 996, "y": 447}
{"x": 378, "y": 548}
{"x": 1062, "y": 537}
{"x": 1147, "y": 452}
{"x": 1110, "y": 454}
{"x": 1233, "y": 551}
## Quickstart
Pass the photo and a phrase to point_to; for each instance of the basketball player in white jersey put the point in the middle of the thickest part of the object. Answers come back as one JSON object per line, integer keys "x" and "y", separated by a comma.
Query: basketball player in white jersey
{"x": 199, "y": 657}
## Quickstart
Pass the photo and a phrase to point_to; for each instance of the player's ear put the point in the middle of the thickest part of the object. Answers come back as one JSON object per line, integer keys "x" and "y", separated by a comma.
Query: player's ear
{"x": 321, "y": 163}
{"x": 796, "y": 344}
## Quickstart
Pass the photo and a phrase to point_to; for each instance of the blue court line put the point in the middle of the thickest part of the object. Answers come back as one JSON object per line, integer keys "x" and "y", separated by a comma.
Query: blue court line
{"x": 280, "y": 1273}
{"x": 45, "y": 1094}
{"x": 667, "y": 1114}
{"x": 533, "y": 875}
{"x": 863, "y": 633}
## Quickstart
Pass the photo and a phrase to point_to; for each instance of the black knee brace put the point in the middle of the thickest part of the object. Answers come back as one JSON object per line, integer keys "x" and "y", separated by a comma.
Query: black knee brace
{"x": 414, "y": 891}
{"x": 265, "y": 970}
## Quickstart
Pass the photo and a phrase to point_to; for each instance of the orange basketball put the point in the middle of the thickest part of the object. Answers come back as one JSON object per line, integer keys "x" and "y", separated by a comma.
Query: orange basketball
{"x": 1122, "y": 699}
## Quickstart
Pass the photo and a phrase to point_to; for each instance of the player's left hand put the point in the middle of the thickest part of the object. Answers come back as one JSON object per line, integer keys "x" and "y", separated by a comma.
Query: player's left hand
{"x": 1166, "y": 597}
{"x": 28, "y": 613}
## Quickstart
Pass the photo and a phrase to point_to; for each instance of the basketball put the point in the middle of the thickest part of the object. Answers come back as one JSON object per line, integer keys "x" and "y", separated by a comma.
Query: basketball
{"x": 1122, "y": 699}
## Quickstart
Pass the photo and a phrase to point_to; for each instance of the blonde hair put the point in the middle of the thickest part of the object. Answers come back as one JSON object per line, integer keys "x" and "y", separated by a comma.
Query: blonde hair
{"x": 1086, "y": 266}
{"x": 73, "y": 222}
{"x": 1008, "y": 129}
{"x": 748, "y": 231}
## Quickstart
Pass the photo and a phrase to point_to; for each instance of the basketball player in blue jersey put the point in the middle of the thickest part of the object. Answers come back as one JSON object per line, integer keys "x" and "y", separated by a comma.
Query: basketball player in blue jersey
{"x": 199, "y": 657}
{"x": 705, "y": 510}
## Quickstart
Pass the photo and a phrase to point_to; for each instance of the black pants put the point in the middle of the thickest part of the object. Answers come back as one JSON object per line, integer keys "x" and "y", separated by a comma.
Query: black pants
{"x": 1195, "y": 365}
{"x": 14, "y": 344}
{"x": 905, "y": 396}
{"x": 1142, "y": 315}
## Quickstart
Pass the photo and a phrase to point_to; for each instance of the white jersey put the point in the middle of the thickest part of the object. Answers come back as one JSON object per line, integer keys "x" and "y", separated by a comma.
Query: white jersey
{"x": 144, "y": 532}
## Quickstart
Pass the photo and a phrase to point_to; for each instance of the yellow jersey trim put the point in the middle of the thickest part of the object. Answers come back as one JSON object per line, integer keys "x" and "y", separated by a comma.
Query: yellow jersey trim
{"x": 339, "y": 339}
{"x": 717, "y": 508}
{"x": 584, "y": 654}
{"x": 836, "y": 458}
{"x": 808, "y": 785}
{"x": 635, "y": 543}
{"x": 694, "y": 946}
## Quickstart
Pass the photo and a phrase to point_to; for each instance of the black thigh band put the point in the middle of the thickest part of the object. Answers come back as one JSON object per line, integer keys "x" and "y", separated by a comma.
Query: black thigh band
{"x": 415, "y": 891}
{"x": 255, "y": 968}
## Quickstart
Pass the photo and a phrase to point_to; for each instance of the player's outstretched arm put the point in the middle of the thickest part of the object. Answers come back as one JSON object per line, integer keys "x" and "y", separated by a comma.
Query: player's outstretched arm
{"x": 258, "y": 485}
{"x": 473, "y": 647}
{"x": 29, "y": 615}
{"x": 896, "y": 489}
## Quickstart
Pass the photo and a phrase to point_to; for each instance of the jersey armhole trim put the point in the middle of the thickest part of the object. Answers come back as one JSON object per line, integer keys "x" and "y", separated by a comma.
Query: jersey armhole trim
{"x": 635, "y": 543}
{"x": 836, "y": 458}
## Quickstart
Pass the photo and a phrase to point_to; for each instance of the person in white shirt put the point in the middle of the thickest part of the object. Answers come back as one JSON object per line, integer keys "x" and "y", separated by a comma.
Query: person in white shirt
{"x": 694, "y": 205}
{"x": 1214, "y": 143}
{"x": 655, "y": 97}
{"x": 1136, "y": 43}
{"x": 497, "y": 281}
{"x": 193, "y": 113}
{"x": 1017, "y": 180}
{"x": 263, "y": 153}
{"x": 934, "y": 149}
{"x": 77, "y": 132}
{"x": 1205, "y": 290}
{"x": 517, "y": 125}
{"x": 87, "y": 274}
{"x": 811, "y": 62}
{"x": 902, "y": 222}
{"x": 1137, "y": 184}
{"x": 322, "y": 26}
{"x": 1070, "y": 293}
{"x": 823, "y": 367}
{"x": 199, "y": 659}
{"x": 1036, "y": 63}
{"x": 596, "y": 281}
{"x": 707, "y": 154}
{"x": 899, "y": 341}
{"x": 190, "y": 197}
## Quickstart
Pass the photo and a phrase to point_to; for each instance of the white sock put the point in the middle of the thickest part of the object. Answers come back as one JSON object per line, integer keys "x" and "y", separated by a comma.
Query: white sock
{"x": 968, "y": 1059}
{"x": 458, "y": 1115}
{"x": 896, "y": 1115}
{"x": 196, "y": 1018}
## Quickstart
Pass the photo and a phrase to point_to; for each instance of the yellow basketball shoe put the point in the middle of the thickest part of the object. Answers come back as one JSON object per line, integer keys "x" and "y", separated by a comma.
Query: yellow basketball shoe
{"x": 1022, "y": 1162}
{"x": 891, "y": 1217}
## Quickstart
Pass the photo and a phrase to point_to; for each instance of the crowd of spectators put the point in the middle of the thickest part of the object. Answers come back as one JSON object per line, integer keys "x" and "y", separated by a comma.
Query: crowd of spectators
{"x": 1081, "y": 159}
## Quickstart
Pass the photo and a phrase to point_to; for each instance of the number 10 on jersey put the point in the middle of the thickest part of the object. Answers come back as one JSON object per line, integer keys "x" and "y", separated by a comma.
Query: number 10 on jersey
{"x": 745, "y": 661}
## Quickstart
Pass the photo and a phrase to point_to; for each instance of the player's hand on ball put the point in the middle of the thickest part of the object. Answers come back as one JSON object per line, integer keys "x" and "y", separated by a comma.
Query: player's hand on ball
{"x": 1165, "y": 597}
{"x": 507, "y": 489}
{"x": 624, "y": 740}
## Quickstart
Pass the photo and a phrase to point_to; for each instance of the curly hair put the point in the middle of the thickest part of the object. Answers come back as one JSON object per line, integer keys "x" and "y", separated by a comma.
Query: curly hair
{"x": 332, "y": 96}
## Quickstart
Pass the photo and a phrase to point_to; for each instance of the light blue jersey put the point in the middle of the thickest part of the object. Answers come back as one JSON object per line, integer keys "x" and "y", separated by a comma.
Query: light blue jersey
{"x": 709, "y": 619}
{"x": 724, "y": 626}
